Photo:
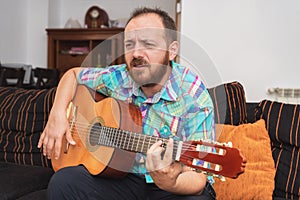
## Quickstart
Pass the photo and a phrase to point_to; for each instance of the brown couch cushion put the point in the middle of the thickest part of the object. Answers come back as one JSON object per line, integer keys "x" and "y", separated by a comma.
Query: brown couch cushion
{"x": 23, "y": 116}
{"x": 257, "y": 182}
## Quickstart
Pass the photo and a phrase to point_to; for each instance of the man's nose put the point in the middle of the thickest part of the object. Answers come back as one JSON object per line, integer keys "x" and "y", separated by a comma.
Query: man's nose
{"x": 138, "y": 51}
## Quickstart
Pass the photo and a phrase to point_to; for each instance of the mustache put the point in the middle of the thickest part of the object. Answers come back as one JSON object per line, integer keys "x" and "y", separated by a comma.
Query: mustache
{"x": 138, "y": 61}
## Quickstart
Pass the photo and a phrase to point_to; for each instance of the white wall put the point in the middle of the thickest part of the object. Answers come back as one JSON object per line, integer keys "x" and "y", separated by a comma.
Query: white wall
{"x": 253, "y": 41}
{"x": 13, "y": 22}
{"x": 256, "y": 42}
{"x": 36, "y": 34}
{"x": 115, "y": 9}
{"x": 23, "y": 38}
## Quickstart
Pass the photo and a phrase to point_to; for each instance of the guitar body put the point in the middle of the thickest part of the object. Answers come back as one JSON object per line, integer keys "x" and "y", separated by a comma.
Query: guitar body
{"x": 86, "y": 116}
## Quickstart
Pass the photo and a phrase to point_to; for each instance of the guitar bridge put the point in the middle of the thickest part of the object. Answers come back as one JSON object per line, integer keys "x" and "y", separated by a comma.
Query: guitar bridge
{"x": 71, "y": 114}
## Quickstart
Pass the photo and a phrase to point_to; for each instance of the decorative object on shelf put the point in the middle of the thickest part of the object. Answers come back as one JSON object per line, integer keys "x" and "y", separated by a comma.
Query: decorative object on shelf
{"x": 96, "y": 17}
{"x": 72, "y": 23}
{"x": 118, "y": 23}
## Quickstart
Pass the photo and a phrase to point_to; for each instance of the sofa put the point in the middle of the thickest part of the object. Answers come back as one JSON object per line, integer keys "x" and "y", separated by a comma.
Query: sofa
{"x": 272, "y": 170}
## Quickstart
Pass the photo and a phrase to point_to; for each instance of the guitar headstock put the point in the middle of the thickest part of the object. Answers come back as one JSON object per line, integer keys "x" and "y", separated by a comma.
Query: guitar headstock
{"x": 213, "y": 158}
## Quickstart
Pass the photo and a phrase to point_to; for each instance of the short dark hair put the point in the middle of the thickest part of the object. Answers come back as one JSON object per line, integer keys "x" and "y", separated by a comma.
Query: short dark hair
{"x": 167, "y": 21}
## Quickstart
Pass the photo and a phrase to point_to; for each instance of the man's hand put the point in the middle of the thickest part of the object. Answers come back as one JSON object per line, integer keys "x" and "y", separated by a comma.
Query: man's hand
{"x": 51, "y": 138}
{"x": 58, "y": 124}
{"x": 160, "y": 164}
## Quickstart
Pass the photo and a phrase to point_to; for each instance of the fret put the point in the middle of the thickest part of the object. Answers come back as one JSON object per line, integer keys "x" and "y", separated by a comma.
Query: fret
{"x": 127, "y": 148}
{"x": 113, "y": 138}
{"x": 149, "y": 143}
{"x": 109, "y": 135}
{"x": 128, "y": 133}
{"x": 132, "y": 144}
{"x": 137, "y": 144}
{"x": 124, "y": 142}
{"x": 142, "y": 148}
{"x": 100, "y": 135}
{"x": 105, "y": 137}
{"x": 113, "y": 134}
{"x": 146, "y": 141}
{"x": 118, "y": 139}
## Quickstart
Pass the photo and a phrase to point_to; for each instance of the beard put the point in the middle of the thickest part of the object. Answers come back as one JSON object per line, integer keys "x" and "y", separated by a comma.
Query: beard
{"x": 152, "y": 74}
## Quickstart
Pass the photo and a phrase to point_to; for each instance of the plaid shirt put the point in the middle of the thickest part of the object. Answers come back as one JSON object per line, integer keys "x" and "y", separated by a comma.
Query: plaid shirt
{"x": 183, "y": 108}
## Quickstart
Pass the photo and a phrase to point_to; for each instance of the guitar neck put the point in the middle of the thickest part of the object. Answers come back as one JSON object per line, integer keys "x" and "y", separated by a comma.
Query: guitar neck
{"x": 129, "y": 141}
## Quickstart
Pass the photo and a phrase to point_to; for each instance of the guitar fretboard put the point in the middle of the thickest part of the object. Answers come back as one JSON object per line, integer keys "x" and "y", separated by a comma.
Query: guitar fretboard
{"x": 126, "y": 140}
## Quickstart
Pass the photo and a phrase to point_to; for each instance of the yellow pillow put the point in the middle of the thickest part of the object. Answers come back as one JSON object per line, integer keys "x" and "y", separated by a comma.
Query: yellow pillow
{"x": 257, "y": 182}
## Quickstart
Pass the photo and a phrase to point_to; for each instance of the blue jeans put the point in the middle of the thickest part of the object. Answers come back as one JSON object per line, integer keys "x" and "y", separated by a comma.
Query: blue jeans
{"x": 77, "y": 183}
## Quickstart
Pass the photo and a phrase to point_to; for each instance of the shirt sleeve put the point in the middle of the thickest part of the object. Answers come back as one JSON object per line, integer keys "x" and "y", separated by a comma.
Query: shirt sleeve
{"x": 103, "y": 80}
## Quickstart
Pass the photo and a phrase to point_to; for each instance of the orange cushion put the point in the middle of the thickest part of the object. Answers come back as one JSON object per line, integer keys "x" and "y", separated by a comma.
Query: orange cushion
{"x": 257, "y": 182}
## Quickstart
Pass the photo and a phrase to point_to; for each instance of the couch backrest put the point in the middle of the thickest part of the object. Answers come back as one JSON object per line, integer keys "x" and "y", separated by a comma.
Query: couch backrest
{"x": 230, "y": 103}
{"x": 23, "y": 116}
{"x": 283, "y": 125}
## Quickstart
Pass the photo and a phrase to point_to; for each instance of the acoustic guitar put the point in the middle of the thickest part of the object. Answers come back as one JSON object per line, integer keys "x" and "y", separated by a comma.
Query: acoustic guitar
{"x": 108, "y": 135}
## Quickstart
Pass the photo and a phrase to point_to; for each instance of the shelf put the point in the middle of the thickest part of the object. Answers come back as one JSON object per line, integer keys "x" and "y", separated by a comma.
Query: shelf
{"x": 69, "y": 48}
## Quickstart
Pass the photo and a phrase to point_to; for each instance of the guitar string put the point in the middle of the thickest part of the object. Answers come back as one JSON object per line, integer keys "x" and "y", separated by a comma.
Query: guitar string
{"x": 115, "y": 131}
{"x": 111, "y": 129}
{"x": 186, "y": 158}
{"x": 116, "y": 141}
{"x": 183, "y": 156}
{"x": 95, "y": 131}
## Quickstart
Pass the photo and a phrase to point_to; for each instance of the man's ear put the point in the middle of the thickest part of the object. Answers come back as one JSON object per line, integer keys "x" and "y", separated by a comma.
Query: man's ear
{"x": 173, "y": 50}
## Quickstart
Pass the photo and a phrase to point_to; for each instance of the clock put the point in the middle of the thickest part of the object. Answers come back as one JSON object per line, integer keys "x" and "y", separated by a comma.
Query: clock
{"x": 96, "y": 17}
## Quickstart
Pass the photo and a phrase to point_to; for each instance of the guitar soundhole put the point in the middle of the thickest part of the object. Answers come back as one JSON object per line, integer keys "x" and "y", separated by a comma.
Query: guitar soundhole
{"x": 94, "y": 136}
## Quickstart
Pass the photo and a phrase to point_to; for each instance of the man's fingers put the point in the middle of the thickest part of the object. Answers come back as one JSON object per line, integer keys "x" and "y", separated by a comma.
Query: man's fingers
{"x": 155, "y": 146}
{"x": 169, "y": 152}
{"x": 40, "y": 143}
{"x": 44, "y": 144}
{"x": 50, "y": 145}
{"x": 159, "y": 157}
{"x": 58, "y": 144}
{"x": 69, "y": 137}
{"x": 57, "y": 149}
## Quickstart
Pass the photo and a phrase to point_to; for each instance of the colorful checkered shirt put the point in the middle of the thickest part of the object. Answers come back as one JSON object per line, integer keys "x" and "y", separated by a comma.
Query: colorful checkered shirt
{"x": 183, "y": 108}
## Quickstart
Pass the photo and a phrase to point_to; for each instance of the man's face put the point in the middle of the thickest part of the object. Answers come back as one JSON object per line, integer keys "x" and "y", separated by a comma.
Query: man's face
{"x": 146, "y": 50}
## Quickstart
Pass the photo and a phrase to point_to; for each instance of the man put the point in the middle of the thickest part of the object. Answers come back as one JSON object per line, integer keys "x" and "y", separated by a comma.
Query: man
{"x": 173, "y": 101}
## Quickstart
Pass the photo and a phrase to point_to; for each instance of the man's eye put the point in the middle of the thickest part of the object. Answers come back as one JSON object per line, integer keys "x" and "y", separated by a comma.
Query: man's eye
{"x": 149, "y": 45}
{"x": 128, "y": 45}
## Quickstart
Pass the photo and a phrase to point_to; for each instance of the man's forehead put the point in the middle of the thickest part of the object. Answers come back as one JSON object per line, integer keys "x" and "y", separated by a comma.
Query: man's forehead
{"x": 145, "y": 33}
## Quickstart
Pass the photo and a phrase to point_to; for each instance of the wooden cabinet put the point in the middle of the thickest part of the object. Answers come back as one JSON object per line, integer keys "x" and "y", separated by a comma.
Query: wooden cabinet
{"x": 69, "y": 48}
